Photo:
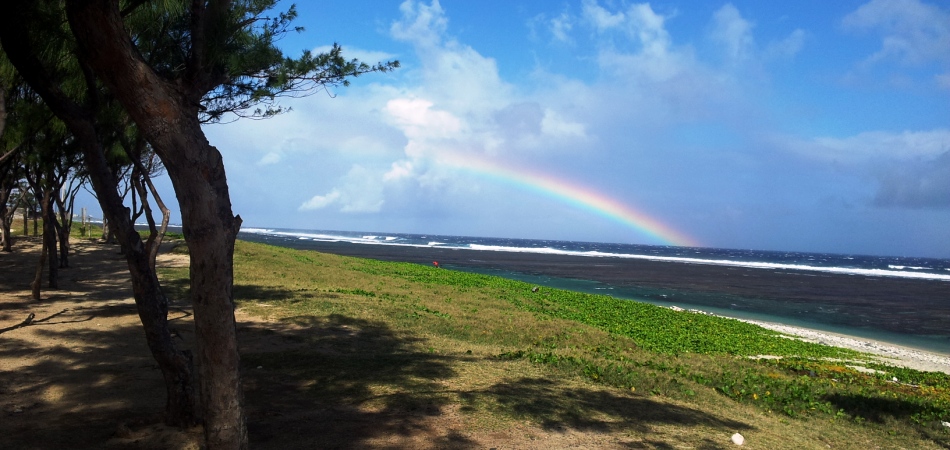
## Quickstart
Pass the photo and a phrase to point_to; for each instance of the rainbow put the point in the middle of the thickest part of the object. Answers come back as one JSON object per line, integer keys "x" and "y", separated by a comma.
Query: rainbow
{"x": 574, "y": 194}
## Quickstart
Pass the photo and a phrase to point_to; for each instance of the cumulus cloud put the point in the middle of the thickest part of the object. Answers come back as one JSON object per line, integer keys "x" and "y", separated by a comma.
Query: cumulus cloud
{"x": 423, "y": 25}
{"x": 639, "y": 22}
{"x": 552, "y": 124}
{"x": 269, "y": 158}
{"x": 561, "y": 27}
{"x": 879, "y": 146}
{"x": 788, "y": 47}
{"x": 361, "y": 192}
{"x": 918, "y": 184}
{"x": 418, "y": 119}
{"x": 912, "y": 32}
{"x": 733, "y": 33}
{"x": 321, "y": 201}
{"x": 911, "y": 169}
{"x": 600, "y": 17}
{"x": 462, "y": 105}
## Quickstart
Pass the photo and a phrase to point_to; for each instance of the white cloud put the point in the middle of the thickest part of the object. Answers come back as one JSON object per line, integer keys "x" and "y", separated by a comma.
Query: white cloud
{"x": 269, "y": 158}
{"x": 554, "y": 125}
{"x": 561, "y": 27}
{"x": 320, "y": 201}
{"x": 911, "y": 32}
{"x": 418, "y": 120}
{"x": 639, "y": 22}
{"x": 879, "y": 146}
{"x": 600, "y": 17}
{"x": 911, "y": 168}
{"x": 423, "y": 25}
{"x": 788, "y": 47}
{"x": 733, "y": 33}
{"x": 361, "y": 192}
{"x": 399, "y": 170}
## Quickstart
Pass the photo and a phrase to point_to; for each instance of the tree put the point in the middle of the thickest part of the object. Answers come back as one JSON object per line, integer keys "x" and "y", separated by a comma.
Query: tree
{"x": 190, "y": 63}
{"x": 9, "y": 158}
{"x": 33, "y": 39}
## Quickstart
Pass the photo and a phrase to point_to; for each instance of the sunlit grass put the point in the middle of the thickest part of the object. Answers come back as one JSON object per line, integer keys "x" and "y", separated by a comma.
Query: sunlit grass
{"x": 475, "y": 331}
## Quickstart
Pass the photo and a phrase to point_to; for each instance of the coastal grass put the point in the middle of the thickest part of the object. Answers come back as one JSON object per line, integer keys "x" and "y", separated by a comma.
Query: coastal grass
{"x": 385, "y": 336}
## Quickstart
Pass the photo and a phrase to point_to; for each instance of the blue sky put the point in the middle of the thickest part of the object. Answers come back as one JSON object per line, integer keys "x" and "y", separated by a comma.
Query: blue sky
{"x": 806, "y": 125}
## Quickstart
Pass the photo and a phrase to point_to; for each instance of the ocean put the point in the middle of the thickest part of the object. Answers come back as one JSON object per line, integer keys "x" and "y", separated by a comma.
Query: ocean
{"x": 901, "y": 300}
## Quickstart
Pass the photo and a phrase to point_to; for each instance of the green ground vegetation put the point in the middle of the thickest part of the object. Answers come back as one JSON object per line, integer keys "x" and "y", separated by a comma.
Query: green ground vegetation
{"x": 384, "y": 332}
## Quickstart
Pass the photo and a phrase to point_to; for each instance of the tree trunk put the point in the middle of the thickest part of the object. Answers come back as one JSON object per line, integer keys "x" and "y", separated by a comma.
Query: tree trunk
{"x": 38, "y": 277}
{"x": 63, "y": 227}
{"x": 6, "y": 219}
{"x": 7, "y": 235}
{"x": 150, "y": 301}
{"x": 156, "y": 233}
{"x": 49, "y": 238}
{"x": 168, "y": 118}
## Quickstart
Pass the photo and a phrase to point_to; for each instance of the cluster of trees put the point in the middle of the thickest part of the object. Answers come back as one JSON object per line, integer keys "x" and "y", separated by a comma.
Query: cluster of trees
{"x": 109, "y": 92}
{"x": 41, "y": 171}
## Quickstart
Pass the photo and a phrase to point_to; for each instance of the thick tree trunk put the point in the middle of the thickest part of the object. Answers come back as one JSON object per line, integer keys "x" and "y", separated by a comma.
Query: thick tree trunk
{"x": 150, "y": 301}
{"x": 168, "y": 118}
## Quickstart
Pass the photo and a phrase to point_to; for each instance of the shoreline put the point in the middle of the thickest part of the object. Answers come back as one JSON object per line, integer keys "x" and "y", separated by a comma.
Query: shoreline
{"x": 886, "y": 352}
{"x": 893, "y": 302}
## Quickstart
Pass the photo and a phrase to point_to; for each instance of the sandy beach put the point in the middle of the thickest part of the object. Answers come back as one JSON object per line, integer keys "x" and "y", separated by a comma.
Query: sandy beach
{"x": 891, "y": 354}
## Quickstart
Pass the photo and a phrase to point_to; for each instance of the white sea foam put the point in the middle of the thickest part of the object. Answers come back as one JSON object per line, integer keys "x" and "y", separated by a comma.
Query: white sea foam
{"x": 257, "y": 230}
{"x": 749, "y": 264}
{"x": 372, "y": 239}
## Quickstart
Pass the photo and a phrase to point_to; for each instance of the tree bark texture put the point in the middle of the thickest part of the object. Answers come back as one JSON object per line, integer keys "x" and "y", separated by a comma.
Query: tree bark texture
{"x": 6, "y": 212}
{"x": 167, "y": 114}
{"x": 151, "y": 303}
{"x": 36, "y": 285}
{"x": 49, "y": 237}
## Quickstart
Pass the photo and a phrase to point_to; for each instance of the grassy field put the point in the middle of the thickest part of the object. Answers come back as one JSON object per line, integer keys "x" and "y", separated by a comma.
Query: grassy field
{"x": 415, "y": 338}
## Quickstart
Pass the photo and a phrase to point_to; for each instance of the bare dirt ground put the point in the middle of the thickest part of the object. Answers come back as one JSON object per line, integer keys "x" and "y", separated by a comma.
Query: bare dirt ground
{"x": 79, "y": 375}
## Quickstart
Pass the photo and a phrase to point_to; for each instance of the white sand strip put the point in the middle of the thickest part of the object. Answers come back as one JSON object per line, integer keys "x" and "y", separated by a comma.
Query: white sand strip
{"x": 891, "y": 354}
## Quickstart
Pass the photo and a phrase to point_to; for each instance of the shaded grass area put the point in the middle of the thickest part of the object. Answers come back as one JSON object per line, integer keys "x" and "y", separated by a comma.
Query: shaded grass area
{"x": 388, "y": 345}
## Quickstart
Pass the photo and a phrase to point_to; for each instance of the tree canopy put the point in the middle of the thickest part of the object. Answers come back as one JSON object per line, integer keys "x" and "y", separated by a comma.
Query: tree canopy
{"x": 165, "y": 68}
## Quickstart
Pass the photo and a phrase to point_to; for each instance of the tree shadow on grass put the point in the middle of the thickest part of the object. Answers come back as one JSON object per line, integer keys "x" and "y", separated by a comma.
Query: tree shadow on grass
{"x": 341, "y": 382}
{"x": 558, "y": 408}
{"x": 880, "y": 410}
